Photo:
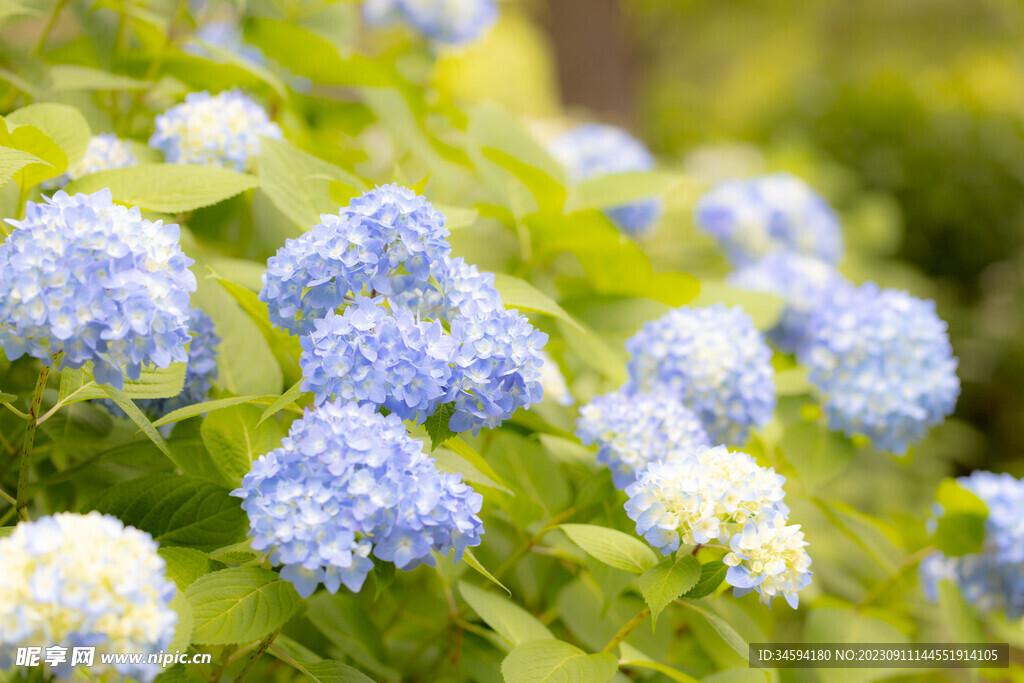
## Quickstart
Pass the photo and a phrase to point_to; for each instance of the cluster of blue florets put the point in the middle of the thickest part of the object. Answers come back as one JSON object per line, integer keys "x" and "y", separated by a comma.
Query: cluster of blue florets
{"x": 388, "y": 233}
{"x": 200, "y": 372}
{"x": 348, "y": 482}
{"x": 418, "y": 328}
{"x": 883, "y": 361}
{"x": 369, "y": 355}
{"x": 714, "y": 361}
{"x": 96, "y": 281}
{"x": 448, "y": 22}
{"x": 805, "y": 283}
{"x": 631, "y": 430}
{"x": 752, "y": 218}
{"x": 591, "y": 150}
{"x": 103, "y": 153}
{"x": 994, "y": 578}
{"x": 214, "y": 130}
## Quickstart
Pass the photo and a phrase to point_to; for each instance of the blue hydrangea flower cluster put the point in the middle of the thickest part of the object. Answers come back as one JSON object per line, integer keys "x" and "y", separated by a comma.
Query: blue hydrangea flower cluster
{"x": 779, "y": 212}
{"x": 805, "y": 283}
{"x": 200, "y": 371}
{"x": 883, "y": 361}
{"x": 94, "y": 280}
{"x": 591, "y": 150}
{"x": 387, "y": 232}
{"x": 703, "y": 494}
{"x": 419, "y": 327}
{"x": 447, "y": 22}
{"x": 714, "y": 360}
{"x": 631, "y": 430}
{"x": 994, "y": 578}
{"x": 214, "y": 130}
{"x": 103, "y": 152}
{"x": 370, "y": 356}
{"x": 347, "y": 482}
{"x": 85, "y": 580}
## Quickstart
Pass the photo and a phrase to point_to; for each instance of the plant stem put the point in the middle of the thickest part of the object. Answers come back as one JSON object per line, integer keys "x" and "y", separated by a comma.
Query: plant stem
{"x": 626, "y": 630}
{"x": 57, "y": 7}
{"x": 30, "y": 437}
{"x": 879, "y": 588}
{"x": 533, "y": 540}
{"x": 260, "y": 649}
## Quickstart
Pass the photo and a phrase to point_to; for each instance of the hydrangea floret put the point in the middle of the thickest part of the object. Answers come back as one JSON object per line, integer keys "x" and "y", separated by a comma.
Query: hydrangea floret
{"x": 714, "y": 360}
{"x": 214, "y": 130}
{"x": 85, "y": 580}
{"x": 779, "y": 212}
{"x": 200, "y": 372}
{"x": 706, "y": 494}
{"x": 97, "y": 282}
{"x": 884, "y": 363}
{"x": 805, "y": 283}
{"x": 592, "y": 150}
{"x": 992, "y": 579}
{"x": 631, "y": 430}
{"x": 348, "y": 483}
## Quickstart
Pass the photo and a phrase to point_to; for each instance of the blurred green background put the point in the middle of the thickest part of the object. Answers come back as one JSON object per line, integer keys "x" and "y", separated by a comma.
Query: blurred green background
{"x": 906, "y": 115}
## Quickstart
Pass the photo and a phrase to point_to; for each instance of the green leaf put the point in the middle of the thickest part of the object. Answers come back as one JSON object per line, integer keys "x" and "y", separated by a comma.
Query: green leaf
{"x": 712, "y": 574}
{"x": 182, "y": 637}
{"x": 234, "y": 439}
{"x": 177, "y": 510}
{"x": 239, "y": 605}
{"x": 842, "y": 625}
{"x": 7, "y": 398}
{"x": 437, "y": 425}
{"x": 732, "y": 638}
{"x": 957, "y": 615}
{"x": 13, "y": 160}
{"x": 75, "y": 77}
{"x": 547, "y": 661}
{"x": 762, "y": 307}
{"x": 508, "y": 619}
{"x": 613, "y": 547}
{"x": 818, "y": 455}
{"x": 64, "y": 124}
{"x": 167, "y": 188}
{"x": 665, "y": 582}
{"x": 52, "y": 160}
{"x": 205, "y": 407}
{"x": 620, "y": 188}
{"x": 136, "y": 416}
{"x": 78, "y": 385}
{"x": 608, "y": 360}
{"x": 289, "y": 397}
{"x": 634, "y": 658}
{"x": 516, "y": 293}
{"x": 464, "y": 450}
{"x": 961, "y": 528}
{"x": 329, "y": 671}
{"x": 284, "y": 346}
{"x": 185, "y": 565}
{"x": 469, "y": 558}
{"x": 457, "y": 217}
{"x": 298, "y": 183}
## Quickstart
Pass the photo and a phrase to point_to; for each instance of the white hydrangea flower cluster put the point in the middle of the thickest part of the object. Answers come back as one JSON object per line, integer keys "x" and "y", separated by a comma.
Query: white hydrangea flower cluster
{"x": 85, "y": 580}
{"x": 706, "y": 494}
{"x": 553, "y": 382}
